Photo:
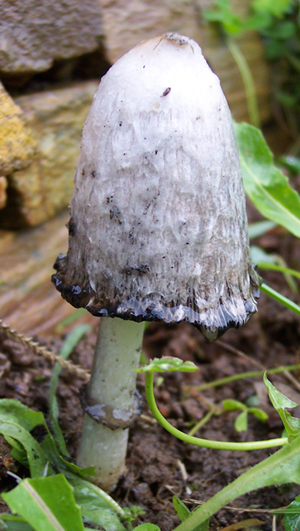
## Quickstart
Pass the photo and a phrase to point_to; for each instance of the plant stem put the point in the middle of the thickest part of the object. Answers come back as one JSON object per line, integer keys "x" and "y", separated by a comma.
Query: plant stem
{"x": 241, "y": 376}
{"x": 203, "y": 421}
{"x": 247, "y": 80}
{"x": 281, "y": 467}
{"x": 206, "y": 443}
{"x": 280, "y": 298}
{"x": 281, "y": 269}
{"x": 111, "y": 397}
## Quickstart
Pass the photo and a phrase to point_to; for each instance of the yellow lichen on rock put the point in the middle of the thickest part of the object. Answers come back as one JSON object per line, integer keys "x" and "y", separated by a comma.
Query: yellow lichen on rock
{"x": 17, "y": 144}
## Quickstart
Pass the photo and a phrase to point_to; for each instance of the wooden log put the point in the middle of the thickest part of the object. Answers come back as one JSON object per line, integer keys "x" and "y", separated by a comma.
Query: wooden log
{"x": 28, "y": 300}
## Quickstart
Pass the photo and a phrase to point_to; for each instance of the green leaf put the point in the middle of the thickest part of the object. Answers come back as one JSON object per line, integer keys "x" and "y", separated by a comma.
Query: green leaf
{"x": 291, "y": 424}
{"x": 70, "y": 319}
{"x": 277, "y": 8}
{"x": 231, "y": 405}
{"x": 291, "y": 518}
{"x": 181, "y": 509}
{"x": 259, "y": 228}
{"x": 258, "y": 413}
{"x": 168, "y": 364}
{"x": 67, "y": 348}
{"x": 265, "y": 184}
{"x": 278, "y": 399}
{"x": 14, "y": 411}
{"x": 14, "y": 523}
{"x": 37, "y": 459}
{"x": 147, "y": 527}
{"x": 259, "y": 255}
{"x": 241, "y": 422}
{"x": 62, "y": 465}
{"x": 97, "y": 507}
{"x": 291, "y": 163}
{"x": 47, "y": 504}
{"x": 280, "y": 468}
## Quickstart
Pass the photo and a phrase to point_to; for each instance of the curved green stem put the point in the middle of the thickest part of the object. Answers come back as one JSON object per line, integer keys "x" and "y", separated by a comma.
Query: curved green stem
{"x": 241, "y": 376}
{"x": 281, "y": 269}
{"x": 280, "y": 298}
{"x": 206, "y": 443}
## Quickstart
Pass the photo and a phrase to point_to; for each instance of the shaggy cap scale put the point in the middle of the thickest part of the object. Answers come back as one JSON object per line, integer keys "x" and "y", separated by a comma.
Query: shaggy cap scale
{"x": 158, "y": 227}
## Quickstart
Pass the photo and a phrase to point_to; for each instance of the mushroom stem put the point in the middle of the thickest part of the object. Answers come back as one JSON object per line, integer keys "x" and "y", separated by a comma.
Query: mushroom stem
{"x": 111, "y": 400}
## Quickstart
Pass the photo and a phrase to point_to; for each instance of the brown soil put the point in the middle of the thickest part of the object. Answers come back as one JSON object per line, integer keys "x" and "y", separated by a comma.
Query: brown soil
{"x": 158, "y": 465}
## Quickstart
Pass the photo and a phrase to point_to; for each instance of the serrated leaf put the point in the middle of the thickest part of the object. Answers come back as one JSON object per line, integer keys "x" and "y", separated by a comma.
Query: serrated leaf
{"x": 181, "y": 509}
{"x": 168, "y": 364}
{"x": 231, "y": 405}
{"x": 265, "y": 184}
{"x": 278, "y": 399}
{"x": 47, "y": 504}
{"x": 241, "y": 422}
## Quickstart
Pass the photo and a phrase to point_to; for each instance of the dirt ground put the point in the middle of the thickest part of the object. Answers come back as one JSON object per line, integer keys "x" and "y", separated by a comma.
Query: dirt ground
{"x": 158, "y": 465}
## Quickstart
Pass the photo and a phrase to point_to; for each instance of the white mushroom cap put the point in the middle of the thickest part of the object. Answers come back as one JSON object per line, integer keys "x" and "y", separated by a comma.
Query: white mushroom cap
{"x": 158, "y": 227}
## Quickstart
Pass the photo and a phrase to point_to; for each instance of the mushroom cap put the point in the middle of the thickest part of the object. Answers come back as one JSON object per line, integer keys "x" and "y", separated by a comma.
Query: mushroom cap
{"x": 158, "y": 227}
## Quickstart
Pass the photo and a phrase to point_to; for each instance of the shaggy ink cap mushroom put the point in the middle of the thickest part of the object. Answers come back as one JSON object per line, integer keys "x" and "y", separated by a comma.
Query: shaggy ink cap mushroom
{"x": 158, "y": 228}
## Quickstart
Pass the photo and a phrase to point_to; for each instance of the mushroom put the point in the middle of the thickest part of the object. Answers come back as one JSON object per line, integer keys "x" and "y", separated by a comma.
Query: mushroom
{"x": 158, "y": 229}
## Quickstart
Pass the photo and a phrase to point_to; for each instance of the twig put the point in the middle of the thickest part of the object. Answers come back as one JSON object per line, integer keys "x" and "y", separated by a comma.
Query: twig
{"x": 39, "y": 350}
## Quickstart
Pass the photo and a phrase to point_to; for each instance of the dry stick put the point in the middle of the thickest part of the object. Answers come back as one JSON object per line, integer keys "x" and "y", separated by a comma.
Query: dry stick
{"x": 256, "y": 363}
{"x": 240, "y": 354}
{"x": 43, "y": 351}
{"x": 49, "y": 355}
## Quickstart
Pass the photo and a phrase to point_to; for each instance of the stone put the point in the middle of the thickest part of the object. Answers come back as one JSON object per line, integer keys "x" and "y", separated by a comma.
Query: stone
{"x": 34, "y": 33}
{"x": 127, "y": 23}
{"x": 17, "y": 144}
{"x": 39, "y": 191}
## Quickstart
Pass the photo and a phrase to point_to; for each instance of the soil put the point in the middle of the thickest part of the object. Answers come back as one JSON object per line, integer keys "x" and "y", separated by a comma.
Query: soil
{"x": 158, "y": 465}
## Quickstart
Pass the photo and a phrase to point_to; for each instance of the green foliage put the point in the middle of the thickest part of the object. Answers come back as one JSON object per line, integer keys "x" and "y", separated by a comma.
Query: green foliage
{"x": 291, "y": 514}
{"x": 264, "y": 183}
{"x": 54, "y": 478}
{"x": 47, "y": 504}
{"x": 168, "y": 364}
{"x": 147, "y": 527}
{"x": 292, "y": 164}
{"x": 241, "y": 422}
{"x": 281, "y": 403}
{"x": 67, "y": 348}
{"x": 259, "y": 228}
{"x": 181, "y": 509}
{"x": 279, "y": 24}
{"x": 260, "y": 18}
{"x": 280, "y": 468}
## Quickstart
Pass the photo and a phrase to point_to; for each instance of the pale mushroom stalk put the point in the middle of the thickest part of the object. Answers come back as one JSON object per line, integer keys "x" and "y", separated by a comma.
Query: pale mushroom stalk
{"x": 111, "y": 398}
